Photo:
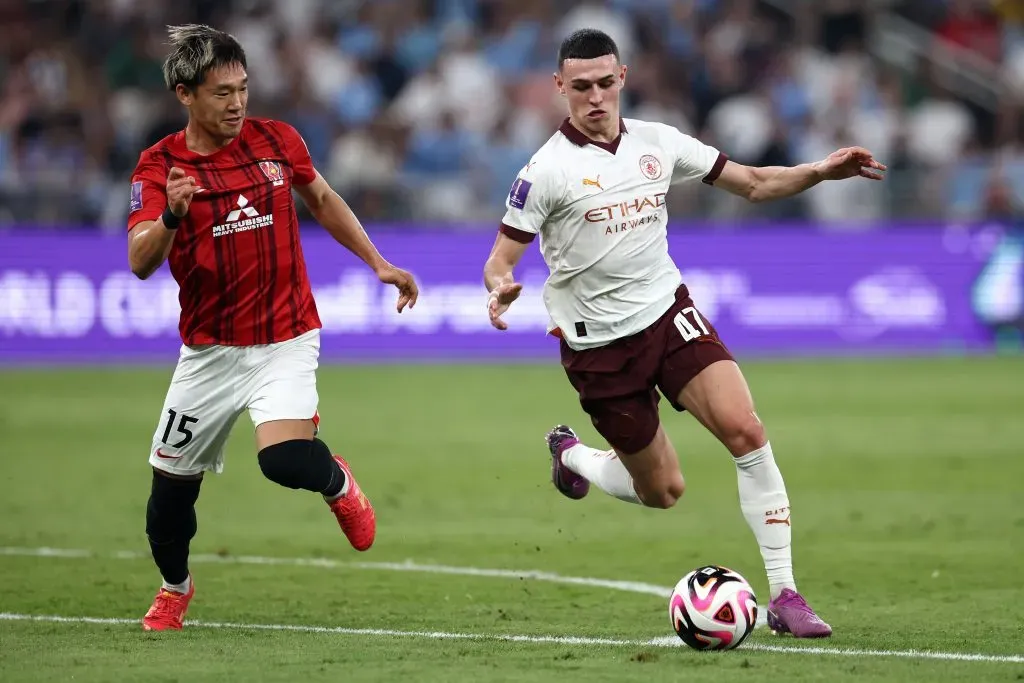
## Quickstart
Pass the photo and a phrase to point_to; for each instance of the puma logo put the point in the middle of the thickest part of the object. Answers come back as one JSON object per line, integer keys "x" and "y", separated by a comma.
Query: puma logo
{"x": 777, "y": 520}
{"x": 593, "y": 183}
{"x": 774, "y": 517}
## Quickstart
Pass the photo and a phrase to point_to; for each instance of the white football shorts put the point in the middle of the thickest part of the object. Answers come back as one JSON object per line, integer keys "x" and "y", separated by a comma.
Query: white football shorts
{"x": 212, "y": 385}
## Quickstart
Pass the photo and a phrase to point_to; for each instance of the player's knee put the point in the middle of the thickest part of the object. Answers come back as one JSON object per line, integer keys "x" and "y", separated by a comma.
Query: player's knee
{"x": 285, "y": 463}
{"x": 662, "y": 495}
{"x": 171, "y": 509}
{"x": 742, "y": 434}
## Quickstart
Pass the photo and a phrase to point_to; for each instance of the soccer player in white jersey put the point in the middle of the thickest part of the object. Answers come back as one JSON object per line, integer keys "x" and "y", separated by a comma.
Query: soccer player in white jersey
{"x": 595, "y": 193}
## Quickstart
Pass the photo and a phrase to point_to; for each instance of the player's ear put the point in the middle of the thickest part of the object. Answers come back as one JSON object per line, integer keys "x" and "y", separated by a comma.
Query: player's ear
{"x": 185, "y": 96}
{"x": 622, "y": 74}
{"x": 559, "y": 83}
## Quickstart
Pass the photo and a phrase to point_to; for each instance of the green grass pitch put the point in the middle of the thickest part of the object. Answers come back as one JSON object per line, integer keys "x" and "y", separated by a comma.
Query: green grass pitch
{"x": 906, "y": 479}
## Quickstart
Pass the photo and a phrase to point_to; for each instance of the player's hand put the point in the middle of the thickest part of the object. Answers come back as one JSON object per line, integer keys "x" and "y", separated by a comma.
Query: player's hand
{"x": 180, "y": 189}
{"x": 850, "y": 162}
{"x": 500, "y": 299}
{"x": 408, "y": 292}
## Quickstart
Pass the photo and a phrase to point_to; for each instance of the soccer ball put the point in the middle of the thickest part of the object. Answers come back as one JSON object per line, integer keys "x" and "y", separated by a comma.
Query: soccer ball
{"x": 713, "y": 608}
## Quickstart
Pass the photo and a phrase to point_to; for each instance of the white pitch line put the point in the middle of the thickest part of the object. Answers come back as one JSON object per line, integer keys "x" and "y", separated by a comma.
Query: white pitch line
{"x": 325, "y": 563}
{"x": 515, "y": 638}
{"x": 301, "y": 628}
{"x": 410, "y": 566}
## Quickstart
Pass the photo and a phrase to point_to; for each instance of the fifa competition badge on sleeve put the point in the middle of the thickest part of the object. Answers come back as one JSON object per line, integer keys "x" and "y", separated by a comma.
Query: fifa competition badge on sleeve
{"x": 517, "y": 195}
{"x": 136, "y": 202}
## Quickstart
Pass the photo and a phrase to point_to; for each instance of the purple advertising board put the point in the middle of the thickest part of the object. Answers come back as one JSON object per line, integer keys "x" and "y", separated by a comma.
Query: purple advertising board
{"x": 69, "y": 296}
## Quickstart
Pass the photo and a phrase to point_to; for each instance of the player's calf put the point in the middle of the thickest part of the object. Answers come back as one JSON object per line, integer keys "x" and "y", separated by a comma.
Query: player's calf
{"x": 303, "y": 464}
{"x": 170, "y": 526}
{"x": 648, "y": 475}
{"x": 575, "y": 466}
{"x": 310, "y": 466}
{"x": 655, "y": 471}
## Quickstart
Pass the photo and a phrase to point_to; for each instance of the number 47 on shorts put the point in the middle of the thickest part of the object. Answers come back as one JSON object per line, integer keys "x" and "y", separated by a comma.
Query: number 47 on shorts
{"x": 690, "y": 324}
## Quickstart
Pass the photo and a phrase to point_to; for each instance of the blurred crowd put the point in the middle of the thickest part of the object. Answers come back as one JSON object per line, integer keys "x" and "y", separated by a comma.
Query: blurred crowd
{"x": 424, "y": 110}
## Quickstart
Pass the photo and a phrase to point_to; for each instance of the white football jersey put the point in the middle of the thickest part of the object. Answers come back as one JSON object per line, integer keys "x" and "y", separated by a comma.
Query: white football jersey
{"x": 600, "y": 212}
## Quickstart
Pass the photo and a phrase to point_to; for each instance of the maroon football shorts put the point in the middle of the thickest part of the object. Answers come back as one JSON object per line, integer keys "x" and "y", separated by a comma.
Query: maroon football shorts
{"x": 618, "y": 383}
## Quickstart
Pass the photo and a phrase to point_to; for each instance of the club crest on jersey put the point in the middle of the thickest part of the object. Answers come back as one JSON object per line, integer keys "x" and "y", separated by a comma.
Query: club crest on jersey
{"x": 650, "y": 166}
{"x": 272, "y": 170}
{"x": 136, "y": 201}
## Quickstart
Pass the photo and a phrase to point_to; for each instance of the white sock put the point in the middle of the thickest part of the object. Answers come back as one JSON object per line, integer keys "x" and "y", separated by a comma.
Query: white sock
{"x": 603, "y": 469}
{"x": 765, "y": 505}
{"x": 344, "y": 488}
{"x": 182, "y": 587}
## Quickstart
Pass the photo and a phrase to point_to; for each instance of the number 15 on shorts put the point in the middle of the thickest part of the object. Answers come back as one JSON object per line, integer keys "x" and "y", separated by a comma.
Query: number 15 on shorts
{"x": 690, "y": 324}
{"x": 178, "y": 427}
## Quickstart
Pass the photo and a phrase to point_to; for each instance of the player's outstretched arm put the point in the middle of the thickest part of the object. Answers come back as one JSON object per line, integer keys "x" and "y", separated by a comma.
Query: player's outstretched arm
{"x": 499, "y": 279}
{"x": 332, "y": 212}
{"x": 778, "y": 182}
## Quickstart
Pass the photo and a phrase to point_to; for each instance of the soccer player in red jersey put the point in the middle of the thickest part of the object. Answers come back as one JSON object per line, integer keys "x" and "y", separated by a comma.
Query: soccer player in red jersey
{"x": 215, "y": 200}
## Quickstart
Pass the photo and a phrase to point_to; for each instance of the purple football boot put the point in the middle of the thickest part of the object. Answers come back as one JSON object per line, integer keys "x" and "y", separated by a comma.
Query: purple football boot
{"x": 789, "y": 613}
{"x": 568, "y": 483}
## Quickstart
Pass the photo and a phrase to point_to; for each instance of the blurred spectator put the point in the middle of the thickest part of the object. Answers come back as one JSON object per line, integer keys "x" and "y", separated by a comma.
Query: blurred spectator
{"x": 972, "y": 25}
{"x": 427, "y": 109}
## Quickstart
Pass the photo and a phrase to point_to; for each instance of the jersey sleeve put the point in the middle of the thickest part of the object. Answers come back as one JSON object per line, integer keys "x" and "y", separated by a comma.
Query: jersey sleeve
{"x": 693, "y": 159}
{"x": 530, "y": 201}
{"x": 148, "y": 191}
{"x": 303, "y": 172}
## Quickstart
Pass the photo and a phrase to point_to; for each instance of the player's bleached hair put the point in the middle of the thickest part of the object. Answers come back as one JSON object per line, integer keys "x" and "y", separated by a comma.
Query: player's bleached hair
{"x": 195, "y": 49}
{"x": 586, "y": 43}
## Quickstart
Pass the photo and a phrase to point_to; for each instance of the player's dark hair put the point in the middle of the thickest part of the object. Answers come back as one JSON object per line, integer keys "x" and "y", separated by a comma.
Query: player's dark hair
{"x": 196, "y": 49}
{"x": 586, "y": 43}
